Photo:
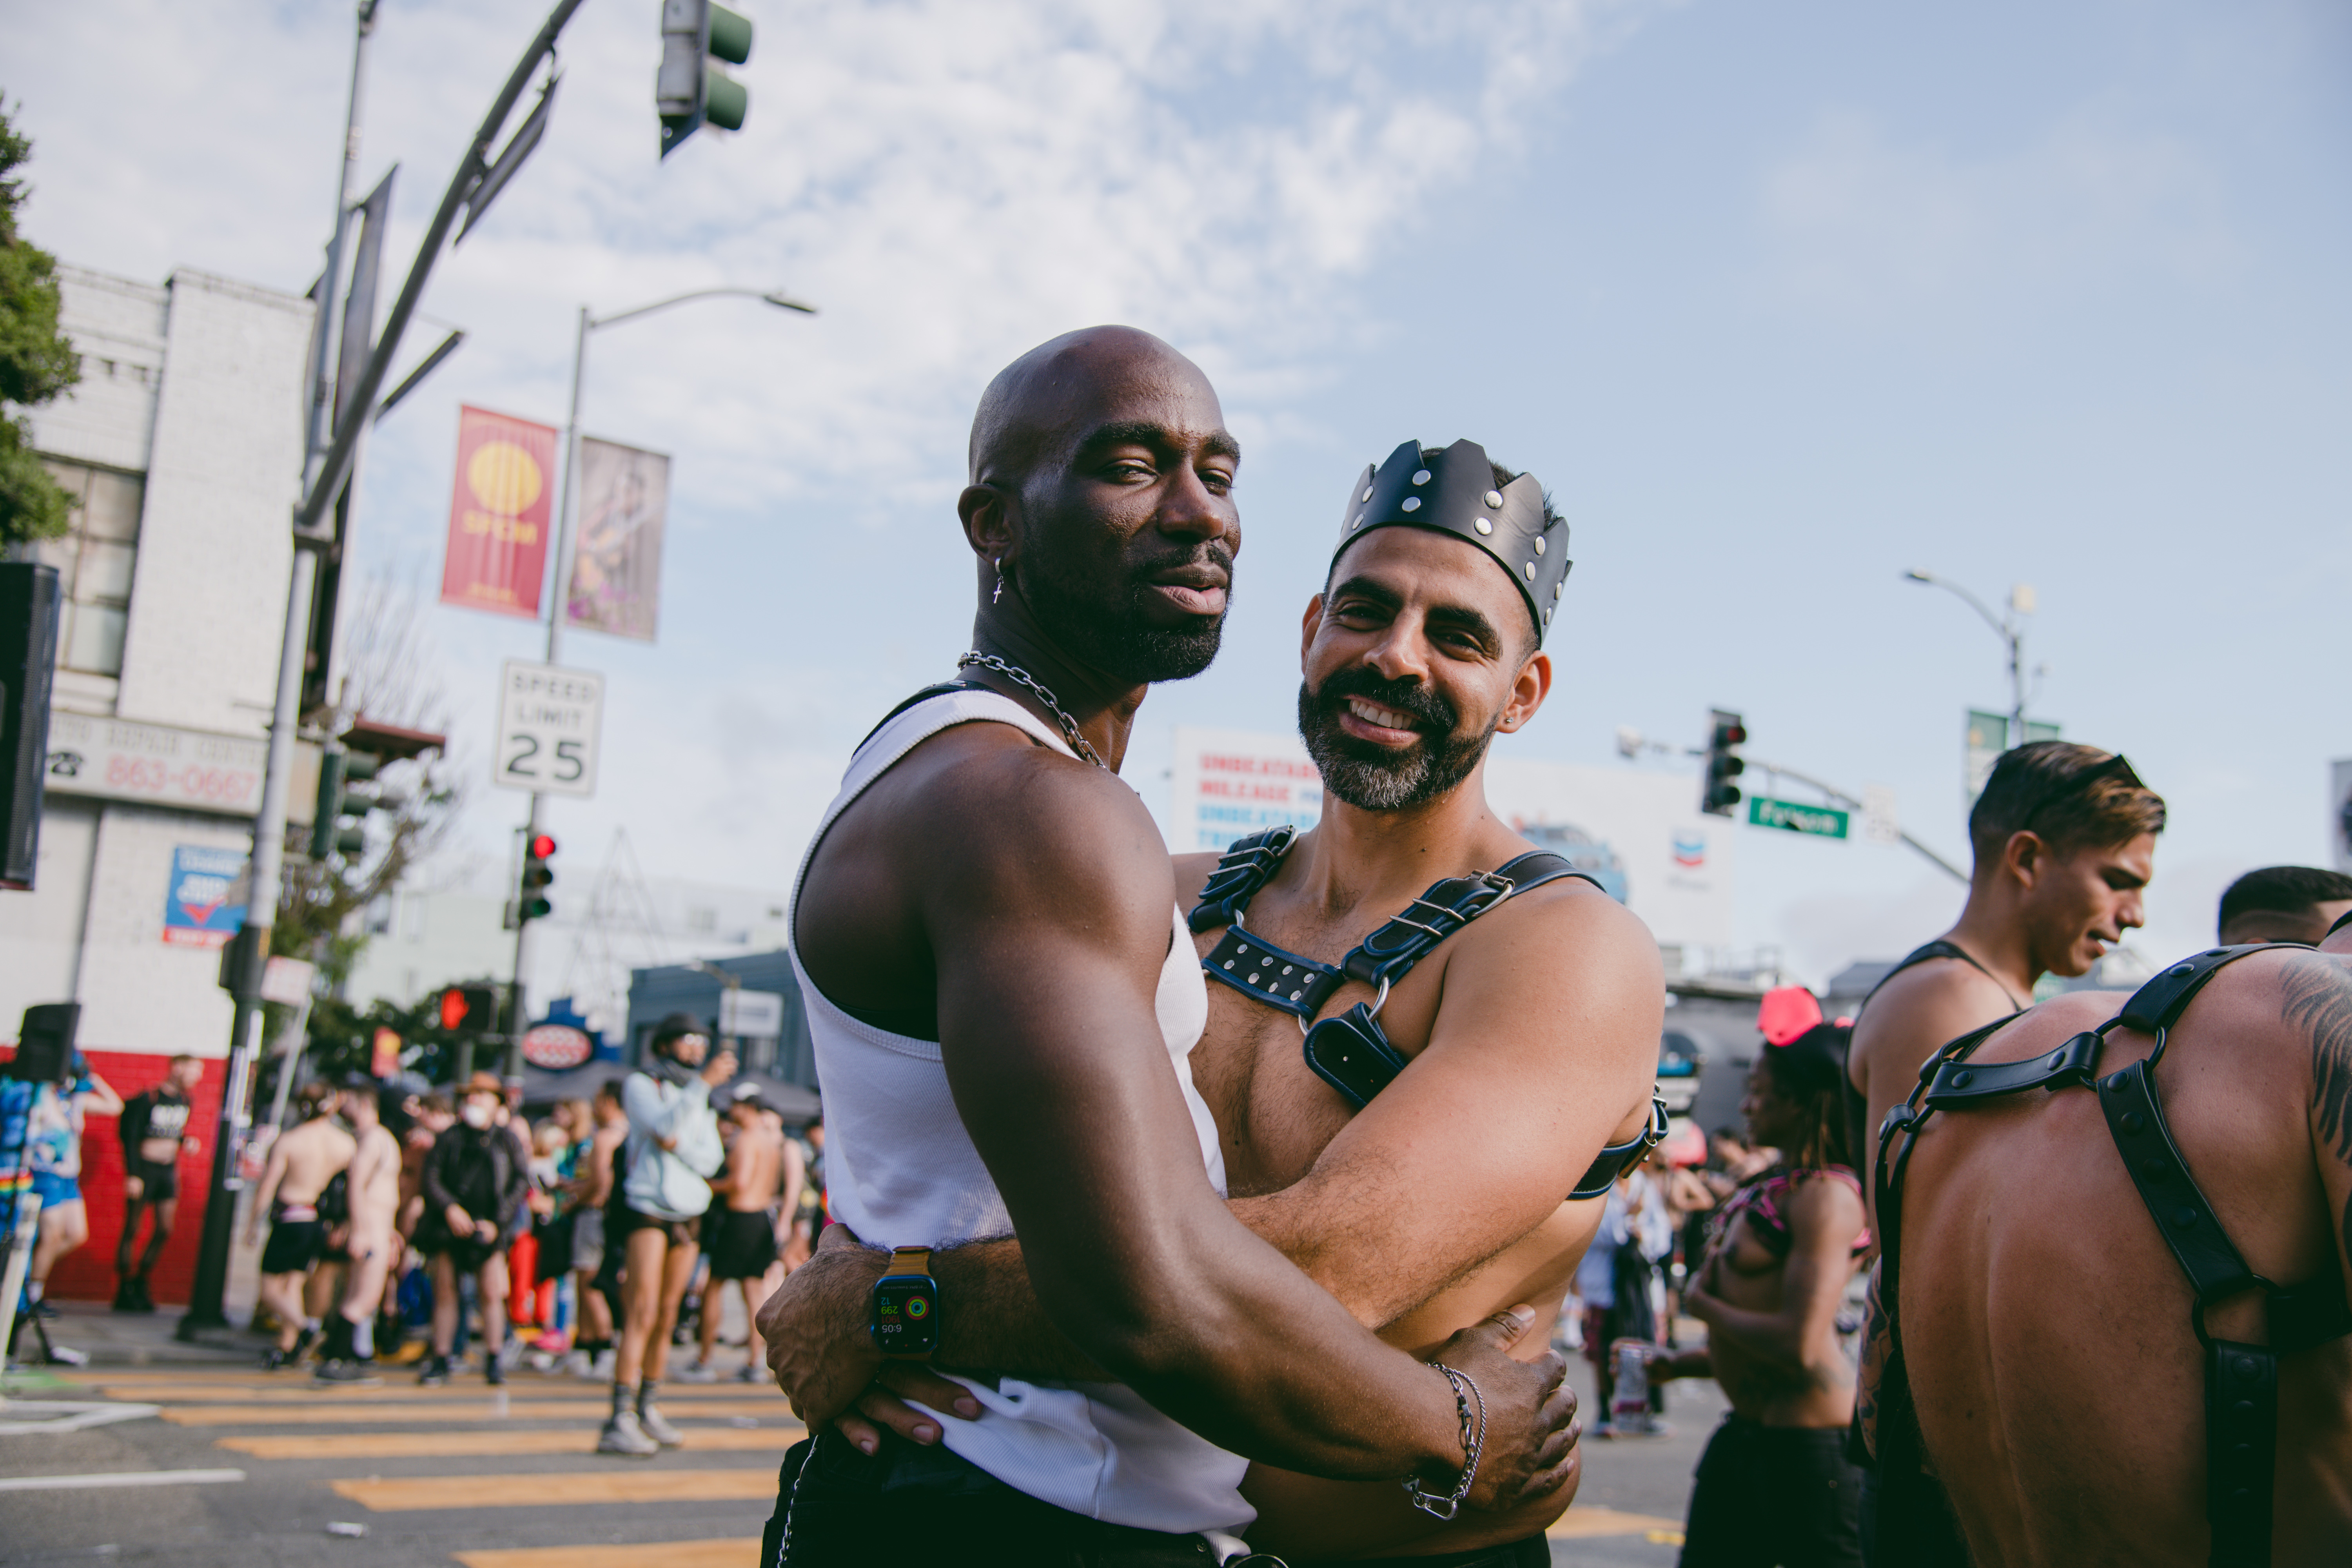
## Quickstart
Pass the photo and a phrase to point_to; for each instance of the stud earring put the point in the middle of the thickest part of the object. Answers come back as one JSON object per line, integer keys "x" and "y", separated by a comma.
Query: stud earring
{"x": 999, "y": 594}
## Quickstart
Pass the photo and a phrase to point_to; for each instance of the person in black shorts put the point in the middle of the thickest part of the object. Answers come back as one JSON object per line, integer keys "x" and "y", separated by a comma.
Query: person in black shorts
{"x": 155, "y": 1130}
{"x": 739, "y": 1231}
{"x": 475, "y": 1182}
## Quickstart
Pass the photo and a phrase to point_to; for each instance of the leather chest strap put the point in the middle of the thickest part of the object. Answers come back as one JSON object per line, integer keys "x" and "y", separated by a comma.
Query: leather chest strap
{"x": 1246, "y": 865}
{"x": 2241, "y": 1451}
{"x": 1274, "y": 975}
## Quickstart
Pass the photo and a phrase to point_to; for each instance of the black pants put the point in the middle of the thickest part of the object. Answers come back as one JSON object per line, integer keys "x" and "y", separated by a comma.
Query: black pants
{"x": 1775, "y": 1497}
{"x": 911, "y": 1504}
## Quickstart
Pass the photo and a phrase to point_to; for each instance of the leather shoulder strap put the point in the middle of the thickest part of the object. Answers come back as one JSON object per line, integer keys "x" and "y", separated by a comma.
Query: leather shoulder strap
{"x": 2158, "y": 1004}
{"x": 1246, "y": 865}
{"x": 1392, "y": 948}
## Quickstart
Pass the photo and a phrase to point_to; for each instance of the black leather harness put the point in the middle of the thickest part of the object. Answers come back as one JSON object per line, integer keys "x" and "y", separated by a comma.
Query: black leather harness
{"x": 1350, "y": 1051}
{"x": 2240, "y": 1380}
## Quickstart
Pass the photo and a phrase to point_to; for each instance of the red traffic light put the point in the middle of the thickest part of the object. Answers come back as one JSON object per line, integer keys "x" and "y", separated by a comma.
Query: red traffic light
{"x": 543, "y": 846}
{"x": 455, "y": 1005}
{"x": 1730, "y": 735}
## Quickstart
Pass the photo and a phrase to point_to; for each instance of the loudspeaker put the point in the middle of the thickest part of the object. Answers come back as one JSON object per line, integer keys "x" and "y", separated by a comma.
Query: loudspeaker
{"x": 28, "y": 658}
{"x": 45, "y": 1044}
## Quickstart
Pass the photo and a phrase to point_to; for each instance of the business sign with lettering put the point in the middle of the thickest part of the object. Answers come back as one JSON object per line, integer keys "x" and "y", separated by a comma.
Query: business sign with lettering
{"x": 205, "y": 905}
{"x": 155, "y": 764}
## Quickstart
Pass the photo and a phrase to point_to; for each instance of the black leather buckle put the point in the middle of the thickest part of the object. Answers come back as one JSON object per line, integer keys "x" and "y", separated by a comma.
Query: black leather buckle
{"x": 1615, "y": 1158}
{"x": 1351, "y": 1053}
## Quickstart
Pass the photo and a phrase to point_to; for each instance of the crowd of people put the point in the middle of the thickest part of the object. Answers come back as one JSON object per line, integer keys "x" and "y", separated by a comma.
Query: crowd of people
{"x": 410, "y": 1228}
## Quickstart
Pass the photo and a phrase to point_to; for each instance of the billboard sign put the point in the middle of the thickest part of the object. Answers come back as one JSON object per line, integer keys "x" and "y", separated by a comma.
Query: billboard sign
{"x": 205, "y": 905}
{"x": 498, "y": 512}
{"x": 1640, "y": 835}
{"x": 1230, "y": 784}
{"x": 616, "y": 562}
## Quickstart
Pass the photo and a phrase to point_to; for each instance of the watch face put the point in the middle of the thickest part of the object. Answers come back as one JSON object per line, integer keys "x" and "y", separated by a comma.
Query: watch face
{"x": 905, "y": 1315}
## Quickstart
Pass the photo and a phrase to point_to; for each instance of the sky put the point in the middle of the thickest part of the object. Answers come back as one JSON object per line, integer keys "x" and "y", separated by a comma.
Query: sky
{"x": 1778, "y": 301}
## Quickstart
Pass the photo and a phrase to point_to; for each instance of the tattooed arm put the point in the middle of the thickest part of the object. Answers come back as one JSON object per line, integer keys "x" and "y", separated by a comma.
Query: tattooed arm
{"x": 2318, "y": 1001}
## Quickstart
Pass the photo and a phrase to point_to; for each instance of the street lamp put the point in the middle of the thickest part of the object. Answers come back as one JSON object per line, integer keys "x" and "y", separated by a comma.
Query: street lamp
{"x": 567, "y": 503}
{"x": 2011, "y": 631}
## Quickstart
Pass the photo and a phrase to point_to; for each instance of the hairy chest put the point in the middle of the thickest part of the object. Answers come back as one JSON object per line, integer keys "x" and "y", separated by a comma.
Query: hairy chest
{"x": 1275, "y": 1117}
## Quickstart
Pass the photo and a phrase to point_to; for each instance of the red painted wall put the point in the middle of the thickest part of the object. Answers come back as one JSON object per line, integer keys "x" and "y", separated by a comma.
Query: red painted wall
{"x": 88, "y": 1272}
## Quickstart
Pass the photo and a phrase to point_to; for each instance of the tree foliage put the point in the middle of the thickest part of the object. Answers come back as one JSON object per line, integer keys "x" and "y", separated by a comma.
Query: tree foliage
{"x": 36, "y": 360}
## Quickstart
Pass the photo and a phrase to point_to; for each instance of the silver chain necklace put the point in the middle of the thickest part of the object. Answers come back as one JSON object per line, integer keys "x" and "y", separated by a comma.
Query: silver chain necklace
{"x": 1019, "y": 676}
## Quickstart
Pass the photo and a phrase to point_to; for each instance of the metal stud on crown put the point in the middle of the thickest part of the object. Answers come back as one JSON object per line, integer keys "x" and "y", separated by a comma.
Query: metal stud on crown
{"x": 1454, "y": 491}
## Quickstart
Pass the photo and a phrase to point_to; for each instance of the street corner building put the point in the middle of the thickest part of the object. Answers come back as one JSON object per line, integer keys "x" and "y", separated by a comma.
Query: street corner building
{"x": 182, "y": 446}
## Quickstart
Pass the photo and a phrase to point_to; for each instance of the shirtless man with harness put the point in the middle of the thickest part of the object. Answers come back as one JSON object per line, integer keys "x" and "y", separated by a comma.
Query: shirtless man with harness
{"x": 2032, "y": 1392}
{"x": 1423, "y": 1117}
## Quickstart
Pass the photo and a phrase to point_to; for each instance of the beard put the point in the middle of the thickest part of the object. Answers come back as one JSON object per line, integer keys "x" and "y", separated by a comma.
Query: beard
{"x": 1372, "y": 777}
{"x": 1114, "y": 633}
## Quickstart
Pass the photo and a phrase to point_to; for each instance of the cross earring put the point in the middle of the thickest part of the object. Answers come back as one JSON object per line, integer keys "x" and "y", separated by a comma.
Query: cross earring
{"x": 999, "y": 594}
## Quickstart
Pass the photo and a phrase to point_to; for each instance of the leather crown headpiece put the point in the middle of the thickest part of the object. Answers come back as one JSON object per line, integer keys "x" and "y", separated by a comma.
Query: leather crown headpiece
{"x": 1455, "y": 492}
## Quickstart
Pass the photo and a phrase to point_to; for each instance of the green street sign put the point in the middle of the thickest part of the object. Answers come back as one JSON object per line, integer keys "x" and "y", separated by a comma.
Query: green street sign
{"x": 1822, "y": 821}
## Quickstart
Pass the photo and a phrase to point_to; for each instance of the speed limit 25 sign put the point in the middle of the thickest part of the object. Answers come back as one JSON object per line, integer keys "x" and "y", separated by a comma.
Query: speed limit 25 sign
{"x": 549, "y": 720}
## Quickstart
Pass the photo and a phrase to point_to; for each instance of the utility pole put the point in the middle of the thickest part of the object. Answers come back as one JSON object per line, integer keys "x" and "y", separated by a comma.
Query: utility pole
{"x": 567, "y": 505}
{"x": 327, "y": 466}
{"x": 2008, "y": 626}
{"x": 205, "y": 1299}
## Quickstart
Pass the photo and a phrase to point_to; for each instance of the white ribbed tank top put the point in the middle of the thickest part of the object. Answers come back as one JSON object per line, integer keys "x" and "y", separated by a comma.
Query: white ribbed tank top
{"x": 900, "y": 1171}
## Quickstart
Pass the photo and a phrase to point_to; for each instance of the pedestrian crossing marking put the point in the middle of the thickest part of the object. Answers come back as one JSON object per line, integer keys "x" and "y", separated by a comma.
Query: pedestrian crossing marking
{"x": 619, "y": 1483}
{"x": 773, "y": 1440}
{"x": 307, "y": 1393}
{"x": 1578, "y": 1524}
{"x": 476, "y": 1409}
{"x": 669, "y": 1553}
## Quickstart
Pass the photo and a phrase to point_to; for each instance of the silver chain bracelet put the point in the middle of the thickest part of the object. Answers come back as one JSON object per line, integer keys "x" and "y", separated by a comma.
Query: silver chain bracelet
{"x": 1472, "y": 1441}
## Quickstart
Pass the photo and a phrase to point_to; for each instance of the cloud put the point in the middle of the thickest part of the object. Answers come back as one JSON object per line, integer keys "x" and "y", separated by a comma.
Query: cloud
{"x": 1860, "y": 223}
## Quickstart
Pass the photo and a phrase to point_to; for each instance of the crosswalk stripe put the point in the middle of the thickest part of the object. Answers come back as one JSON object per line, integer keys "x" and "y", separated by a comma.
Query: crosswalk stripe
{"x": 124, "y": 1478}
{"x": 476, "y": 1409}
{"x": 407, "y": 1389}
{"x": 729, "y": 1554}
{"x": 773, "y": 1440}
{"x": 560, "y": 1489}
{"x": 1578, "y": 1523}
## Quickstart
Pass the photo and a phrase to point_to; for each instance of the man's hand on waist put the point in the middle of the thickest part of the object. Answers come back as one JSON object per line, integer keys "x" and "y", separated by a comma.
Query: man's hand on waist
{"x": 815, "y": 1327}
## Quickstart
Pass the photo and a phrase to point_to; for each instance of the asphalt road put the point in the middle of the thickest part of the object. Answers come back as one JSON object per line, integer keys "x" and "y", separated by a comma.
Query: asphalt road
{"x": 268, "y": 1466}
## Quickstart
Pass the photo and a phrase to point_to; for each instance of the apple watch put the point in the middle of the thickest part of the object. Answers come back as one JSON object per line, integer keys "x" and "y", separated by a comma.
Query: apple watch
{"x": 905, "y": 1318}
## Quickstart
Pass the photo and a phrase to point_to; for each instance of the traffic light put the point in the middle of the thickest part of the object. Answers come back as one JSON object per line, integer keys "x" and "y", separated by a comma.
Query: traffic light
{"x": 347, "y": 793}
{"x": 1719, "y": 794}
{"x": 690, "y": 88}
{"x": 538, "y": 876}
{"x": 468, "y": 1009}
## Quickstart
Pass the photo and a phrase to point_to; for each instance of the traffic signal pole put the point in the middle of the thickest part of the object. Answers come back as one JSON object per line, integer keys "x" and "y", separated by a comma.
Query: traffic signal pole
{"x": 567, "y": 505}
{"x": 207, "y": 1295}
{"x": 327, "y": 463}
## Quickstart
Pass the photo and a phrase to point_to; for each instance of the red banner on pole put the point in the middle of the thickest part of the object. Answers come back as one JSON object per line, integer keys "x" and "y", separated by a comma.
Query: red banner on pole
{"x": 498, "y": 513}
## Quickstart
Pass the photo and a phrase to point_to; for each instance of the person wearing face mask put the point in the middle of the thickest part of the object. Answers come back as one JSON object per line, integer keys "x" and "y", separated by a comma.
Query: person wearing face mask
{"x": 474, "y": 1184}
{"x": 662, "y": 1188}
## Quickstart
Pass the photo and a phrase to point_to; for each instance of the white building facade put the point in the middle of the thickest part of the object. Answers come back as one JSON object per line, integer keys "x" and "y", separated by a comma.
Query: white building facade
{"x": 183, "y": 443}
